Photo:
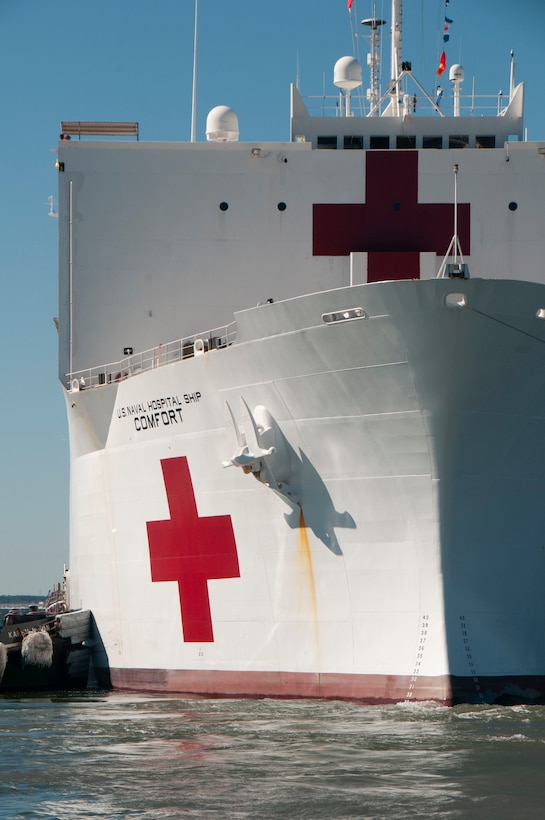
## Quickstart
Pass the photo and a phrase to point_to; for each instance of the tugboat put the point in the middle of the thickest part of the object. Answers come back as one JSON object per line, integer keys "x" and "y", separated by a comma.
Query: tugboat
{"x": 46, "y": 648}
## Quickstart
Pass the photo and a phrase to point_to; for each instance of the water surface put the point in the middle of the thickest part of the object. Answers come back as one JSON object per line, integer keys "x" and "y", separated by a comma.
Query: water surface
{"x": 111, "y": 755}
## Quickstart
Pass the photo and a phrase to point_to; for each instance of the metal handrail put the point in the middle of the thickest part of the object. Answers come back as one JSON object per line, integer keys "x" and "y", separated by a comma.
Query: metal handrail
{"x": 492, "y": 105}
{"x": 162, "y": 354}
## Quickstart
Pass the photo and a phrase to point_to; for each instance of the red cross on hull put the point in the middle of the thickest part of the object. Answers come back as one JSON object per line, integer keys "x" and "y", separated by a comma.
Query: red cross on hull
{"x": 191, "y": 550}
{"x": 392, "y": 226}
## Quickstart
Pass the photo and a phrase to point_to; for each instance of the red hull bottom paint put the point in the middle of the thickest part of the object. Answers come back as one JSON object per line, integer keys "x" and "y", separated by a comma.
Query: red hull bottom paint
{"x": 372, "y": 689}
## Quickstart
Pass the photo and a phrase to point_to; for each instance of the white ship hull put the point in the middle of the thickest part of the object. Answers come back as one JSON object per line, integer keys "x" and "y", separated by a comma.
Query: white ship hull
{"x": 378, "y": 532}
{"x": 412, "y": 566}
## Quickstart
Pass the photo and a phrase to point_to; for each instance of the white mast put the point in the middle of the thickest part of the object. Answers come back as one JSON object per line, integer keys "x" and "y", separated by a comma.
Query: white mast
{"x": 457, "y": 269}
{"x": 396, "y": 56}
{"x": 194, "y": 94}
{"x": 512, "y": 76}
{"x": 373, "y": 60}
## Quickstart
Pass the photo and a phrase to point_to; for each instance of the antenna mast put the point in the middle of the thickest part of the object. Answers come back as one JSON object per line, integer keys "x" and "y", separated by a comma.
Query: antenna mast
{"x": 396, "y": 56}
{"x": 457, "y": 269}
{"x": 512, "y": 76}
{"x": 194, "y": 94}
{"x": 373, "y": 60}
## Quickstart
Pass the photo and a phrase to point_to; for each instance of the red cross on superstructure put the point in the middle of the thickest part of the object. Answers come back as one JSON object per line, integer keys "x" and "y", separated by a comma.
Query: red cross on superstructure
{"x": 392, "y": 226}
{"x": 191, "y": 550}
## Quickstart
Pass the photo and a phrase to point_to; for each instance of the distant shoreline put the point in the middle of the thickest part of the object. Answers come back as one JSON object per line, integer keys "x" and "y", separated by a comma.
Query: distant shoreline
{"x": 9, "y": 601}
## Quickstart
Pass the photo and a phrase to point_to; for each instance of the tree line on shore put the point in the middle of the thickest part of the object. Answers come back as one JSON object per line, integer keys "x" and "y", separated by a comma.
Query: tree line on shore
{"x": 6, "y": 600}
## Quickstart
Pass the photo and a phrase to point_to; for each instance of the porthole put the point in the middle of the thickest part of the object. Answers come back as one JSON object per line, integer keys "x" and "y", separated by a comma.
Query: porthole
{"x": 224, "y": 206}
{"x": 282, "y": 206}
{"x": 513, "y": 206}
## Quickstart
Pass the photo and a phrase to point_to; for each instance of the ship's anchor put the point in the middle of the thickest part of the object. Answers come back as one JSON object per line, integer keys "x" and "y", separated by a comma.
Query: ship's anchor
{"x": 263, "y": 451}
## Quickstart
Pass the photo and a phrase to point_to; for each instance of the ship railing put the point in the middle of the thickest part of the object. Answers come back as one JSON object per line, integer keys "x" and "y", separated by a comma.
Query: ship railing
{"x": 491, "y": 105}
{"x": 163, "y": 354}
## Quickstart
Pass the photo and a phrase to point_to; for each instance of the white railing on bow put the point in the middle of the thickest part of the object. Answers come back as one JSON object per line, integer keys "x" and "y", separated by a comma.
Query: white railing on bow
{"x": 163, "y": 354}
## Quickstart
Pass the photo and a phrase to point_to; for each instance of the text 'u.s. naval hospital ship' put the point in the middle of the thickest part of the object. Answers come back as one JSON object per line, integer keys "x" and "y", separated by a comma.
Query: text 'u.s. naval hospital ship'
{"x": 351, "y": 322}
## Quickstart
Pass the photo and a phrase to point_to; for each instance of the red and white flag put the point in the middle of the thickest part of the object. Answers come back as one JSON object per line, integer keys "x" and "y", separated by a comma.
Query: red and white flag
{"x": 349, "y": 5}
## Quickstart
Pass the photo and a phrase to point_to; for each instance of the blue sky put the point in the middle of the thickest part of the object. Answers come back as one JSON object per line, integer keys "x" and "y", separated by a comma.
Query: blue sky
{"x": 132, "y": 60}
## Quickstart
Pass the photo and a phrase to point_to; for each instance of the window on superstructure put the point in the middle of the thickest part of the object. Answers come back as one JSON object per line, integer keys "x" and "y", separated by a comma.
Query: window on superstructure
{"x": 353, "y": 142}
{"x": 327, "y": 142}
{"x": 485, "y": 142}
{"x": 458, "y": 141}
{"x": 379, "y": 142}
{"x": 432, "y": 142}
{"x": 405, "y": 142}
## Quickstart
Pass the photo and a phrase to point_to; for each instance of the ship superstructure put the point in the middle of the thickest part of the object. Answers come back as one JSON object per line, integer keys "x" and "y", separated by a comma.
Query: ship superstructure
{"x": 305, "y": 399}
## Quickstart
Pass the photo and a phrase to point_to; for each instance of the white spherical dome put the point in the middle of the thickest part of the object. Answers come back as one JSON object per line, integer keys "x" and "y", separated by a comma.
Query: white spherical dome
{"x": 456, "y": 73}
{"x": 347, "y": 73}
{"x": 222, "y": 125}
